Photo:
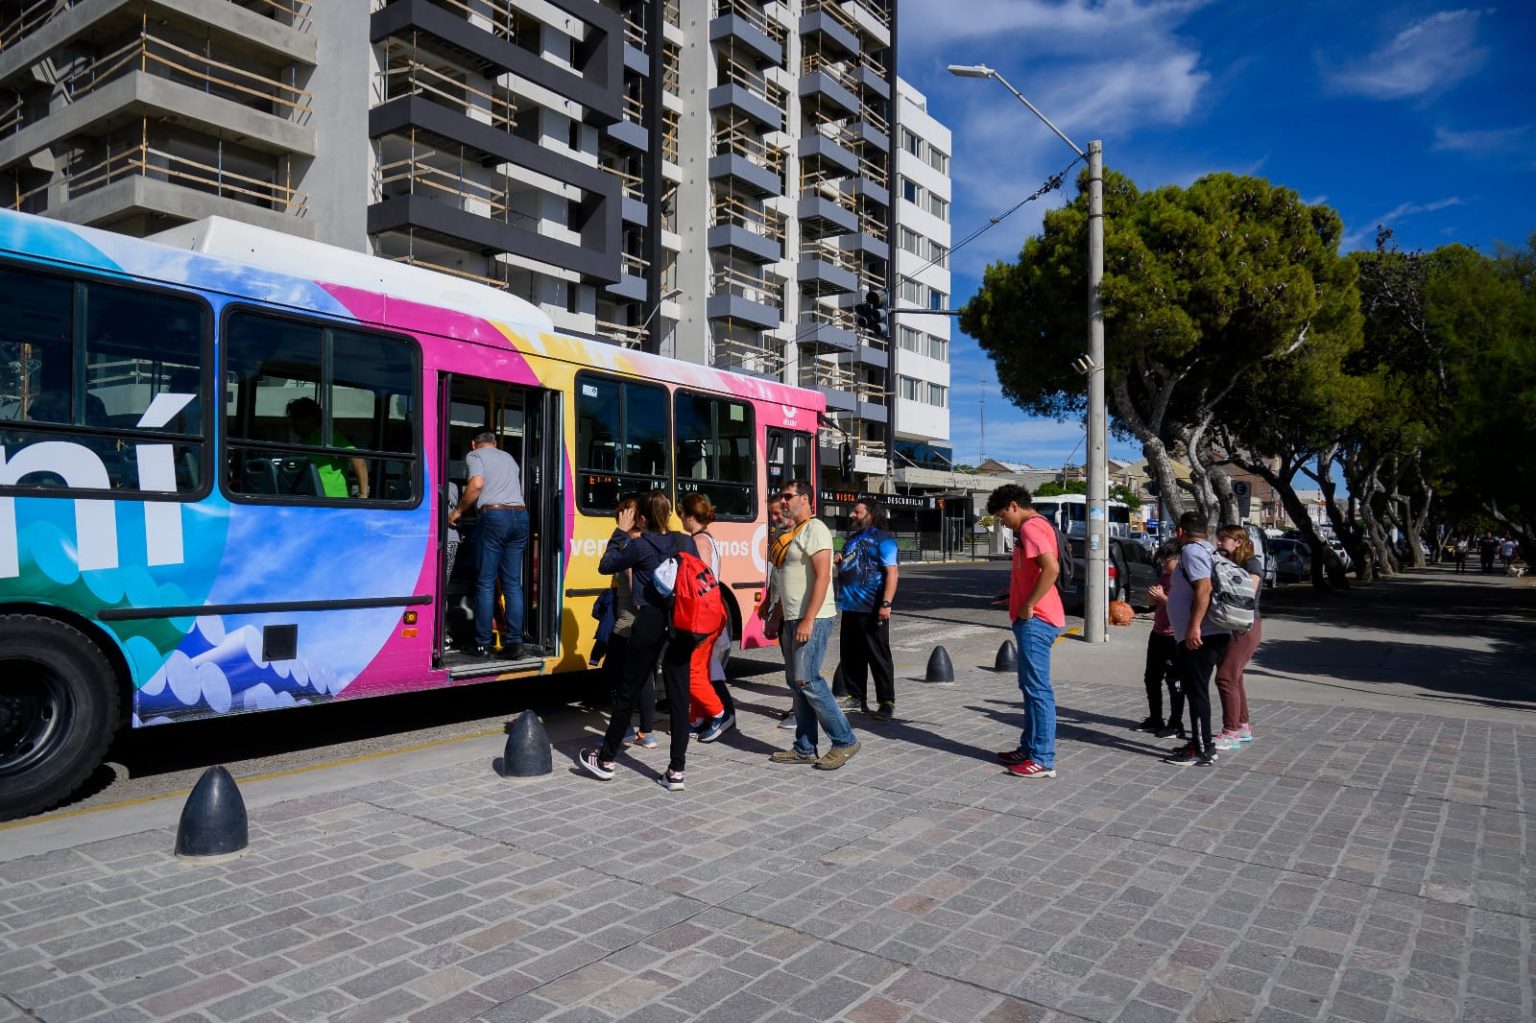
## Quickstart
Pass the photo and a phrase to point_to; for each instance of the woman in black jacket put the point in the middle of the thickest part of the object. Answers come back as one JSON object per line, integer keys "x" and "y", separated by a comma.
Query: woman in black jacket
{"x": 647, "y": 638}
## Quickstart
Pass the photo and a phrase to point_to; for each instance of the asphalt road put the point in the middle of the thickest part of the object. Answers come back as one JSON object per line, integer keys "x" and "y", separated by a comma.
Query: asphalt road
{"x": 1429, "y": 643}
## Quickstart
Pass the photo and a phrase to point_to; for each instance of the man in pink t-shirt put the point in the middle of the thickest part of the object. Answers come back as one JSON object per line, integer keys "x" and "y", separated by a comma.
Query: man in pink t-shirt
{"x": 1034, "y": 607}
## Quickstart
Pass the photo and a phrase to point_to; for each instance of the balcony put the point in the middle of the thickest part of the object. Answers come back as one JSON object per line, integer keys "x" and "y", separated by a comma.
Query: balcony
{"x": 827, "y": 268}
{"x": 271, "y": 189}
{"x": 827, "y": 84}
{"x": 749, "y": 161}
{"x": 744, "y": 23}
{"x": 740, "y": 296}
{"x": 621, "y": 334}
{"x": 829, "y": 149}
{"x": 825, "y": 327}
{"x": 27, "y": 18}
{"x": 405, "y": 74}
{"x": 832, "y": 380}
{"x": 831, "y": 27}
{"x": 749, "y": 93}
{"x": 751, "y": 231}
{"x": 765, "y": 359}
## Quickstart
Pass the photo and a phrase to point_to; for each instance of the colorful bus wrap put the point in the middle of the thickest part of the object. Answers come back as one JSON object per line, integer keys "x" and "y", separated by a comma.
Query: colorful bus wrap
{"x": 224, "y": 488}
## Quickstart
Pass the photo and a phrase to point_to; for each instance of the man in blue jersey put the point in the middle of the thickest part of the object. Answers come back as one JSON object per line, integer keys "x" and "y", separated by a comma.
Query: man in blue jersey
{"x": 866, "y": 586}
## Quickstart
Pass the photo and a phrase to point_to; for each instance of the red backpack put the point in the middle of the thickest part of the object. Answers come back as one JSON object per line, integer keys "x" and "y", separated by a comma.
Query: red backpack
{"x": 698, "y": 610}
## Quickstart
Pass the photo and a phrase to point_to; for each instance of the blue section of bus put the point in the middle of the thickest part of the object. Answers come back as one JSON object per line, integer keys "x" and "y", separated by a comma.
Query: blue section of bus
{"x": 232, "y": 554}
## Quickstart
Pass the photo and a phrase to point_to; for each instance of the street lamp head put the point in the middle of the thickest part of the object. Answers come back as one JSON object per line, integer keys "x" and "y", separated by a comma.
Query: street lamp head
{"x": 671, "y": 294}
{"x": 971, "y": 71}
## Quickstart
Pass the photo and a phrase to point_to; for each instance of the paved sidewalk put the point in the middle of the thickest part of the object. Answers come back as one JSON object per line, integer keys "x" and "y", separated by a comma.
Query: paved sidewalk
{"x": 1350, "y": 865}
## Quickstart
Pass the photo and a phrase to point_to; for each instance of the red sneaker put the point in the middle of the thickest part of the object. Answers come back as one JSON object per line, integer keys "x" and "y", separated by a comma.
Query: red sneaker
{"x": 1030, "y": 769}
{"x": 1013, "y": 756}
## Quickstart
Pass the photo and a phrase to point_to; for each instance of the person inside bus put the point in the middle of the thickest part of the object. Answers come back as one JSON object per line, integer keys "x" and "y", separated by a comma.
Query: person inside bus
{"x": 304, "y": 415}
{"x": 495, "y": 489}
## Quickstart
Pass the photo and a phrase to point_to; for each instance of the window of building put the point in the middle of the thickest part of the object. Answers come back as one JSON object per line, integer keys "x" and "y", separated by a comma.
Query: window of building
{"x": 622, "y": 440}
{"x": 938, "y": 348}
{"x": 910, "y": 338}
{"x": 913, "y": 293}
{"x": 937, "y": 299}
{"x": 938, "y": 160}
{"x": 911, "y": 241}
{"x": 938, "y": 254}
{"x": 319, "y": 413}
{"x": 113, "y": 375}
{"x": 937, "y": 394}
{"x": 939, "y": 207}
{"x": 911, "y": 143}
{"x": 908, "y": 387}
{"x": 714, "y": 453}
{"x": 911, "y": 191}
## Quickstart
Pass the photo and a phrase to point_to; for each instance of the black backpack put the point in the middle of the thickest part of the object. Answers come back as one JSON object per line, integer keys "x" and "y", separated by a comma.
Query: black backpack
{"x": 1066, "y": 573}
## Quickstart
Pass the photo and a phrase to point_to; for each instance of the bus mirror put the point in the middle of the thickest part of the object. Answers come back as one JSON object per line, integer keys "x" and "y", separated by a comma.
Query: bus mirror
{"x": 845, "y": 455}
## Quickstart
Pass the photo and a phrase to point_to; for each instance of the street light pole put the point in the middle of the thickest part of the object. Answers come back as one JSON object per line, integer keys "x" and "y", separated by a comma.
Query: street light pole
{"x": 645, "y": 327}
{"x": 1096, "y": 590}
{"x": 1096, "y": 593}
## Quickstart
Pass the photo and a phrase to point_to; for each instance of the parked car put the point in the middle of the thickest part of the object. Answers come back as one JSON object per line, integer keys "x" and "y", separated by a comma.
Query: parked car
{"x": 1261, "y": 546}
{"x": 1130, "y": 568}
{"x": 1337, "y": 546}
{"x": 1293, "y": 561}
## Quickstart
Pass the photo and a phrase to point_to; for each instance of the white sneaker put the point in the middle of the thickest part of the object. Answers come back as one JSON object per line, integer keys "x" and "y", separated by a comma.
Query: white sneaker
{"x": 1227, "y": 742}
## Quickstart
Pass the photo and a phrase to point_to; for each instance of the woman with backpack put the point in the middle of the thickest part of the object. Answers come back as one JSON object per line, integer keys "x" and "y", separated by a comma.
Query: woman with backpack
{"x": 647, "y": 638}
{"x": 1235, "y": 543}
{"x": 712, "y": 710}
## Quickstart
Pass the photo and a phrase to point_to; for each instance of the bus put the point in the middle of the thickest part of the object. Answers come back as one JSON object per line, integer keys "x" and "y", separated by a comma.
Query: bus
{"x": 174, "y": 546}
{"x": 1070, "y": 514}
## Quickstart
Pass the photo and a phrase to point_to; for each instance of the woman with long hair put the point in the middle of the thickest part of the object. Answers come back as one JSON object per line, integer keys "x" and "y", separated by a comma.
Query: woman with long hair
{"x": 1235, "y": 543}
{"x": 617, "y": 657}
{"x": 647, "y": 637}
{"x": 712, "y": 708}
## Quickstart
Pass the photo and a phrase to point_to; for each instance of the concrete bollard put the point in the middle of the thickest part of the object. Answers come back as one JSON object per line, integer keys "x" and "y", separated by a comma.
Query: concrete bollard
{"x": 527, "y": 754}
{"x": 939, "y": 667}
{"x": 1007, "y": 657}
{"x": 213, "y": 821}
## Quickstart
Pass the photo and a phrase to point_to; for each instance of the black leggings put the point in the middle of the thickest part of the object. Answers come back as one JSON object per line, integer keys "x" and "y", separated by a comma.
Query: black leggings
{"x": 1162, "y": 657}
{"x": 1195, "y": 670}
{"x": 647, "y": 639}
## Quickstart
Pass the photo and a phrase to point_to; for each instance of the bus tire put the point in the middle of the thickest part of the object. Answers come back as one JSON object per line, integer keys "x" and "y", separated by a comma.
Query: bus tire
{"x": 58, "y": 712}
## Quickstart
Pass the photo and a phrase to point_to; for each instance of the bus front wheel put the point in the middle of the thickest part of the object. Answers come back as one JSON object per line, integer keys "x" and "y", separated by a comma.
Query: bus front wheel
{"x": 58, "y": 711}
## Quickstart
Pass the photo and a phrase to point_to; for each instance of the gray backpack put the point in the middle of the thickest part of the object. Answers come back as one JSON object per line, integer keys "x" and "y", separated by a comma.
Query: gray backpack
{"x": 1234, "y": 598}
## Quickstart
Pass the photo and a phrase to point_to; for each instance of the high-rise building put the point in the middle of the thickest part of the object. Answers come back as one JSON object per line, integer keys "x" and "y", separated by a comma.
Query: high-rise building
{"x": 920, "y": 348}
{"x": 706, "y": 178}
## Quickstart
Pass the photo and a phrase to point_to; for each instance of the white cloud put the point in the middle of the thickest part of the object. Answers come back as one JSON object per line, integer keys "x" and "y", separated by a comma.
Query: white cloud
{"x": 1487, "y": 142}
{"x": 1356, "y": 238}
{"x": 1432, "y": 53}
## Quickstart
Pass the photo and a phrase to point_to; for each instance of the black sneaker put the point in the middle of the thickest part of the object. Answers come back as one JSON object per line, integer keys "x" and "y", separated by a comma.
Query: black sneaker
{"x": 1169, "y": 732}
{"x": 1151, "y": 724}
{"x": 1183, "y": 758}
{"x": 671, "y": 782}
{"x": 885, "y": 712}
{"x": 1207, "y": 759}
{"x": 590, "y": 761}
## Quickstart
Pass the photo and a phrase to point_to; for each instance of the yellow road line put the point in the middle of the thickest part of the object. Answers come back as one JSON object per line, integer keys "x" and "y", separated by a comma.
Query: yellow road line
{"x": 271, "y": 775}
{"x": 1070, "y": 632}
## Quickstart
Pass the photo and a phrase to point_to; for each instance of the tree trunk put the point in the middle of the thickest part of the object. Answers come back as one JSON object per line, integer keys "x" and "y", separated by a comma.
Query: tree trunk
{"x": 1322, "y": 475}
{"x": 1281, "y": 482}
{"x": 1160, "y": 468}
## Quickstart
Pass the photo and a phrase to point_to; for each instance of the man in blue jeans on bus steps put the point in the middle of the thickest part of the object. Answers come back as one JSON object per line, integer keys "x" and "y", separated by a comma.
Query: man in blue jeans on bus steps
{"x": 1034, "y": 608}
{"x": 495, "y": 490}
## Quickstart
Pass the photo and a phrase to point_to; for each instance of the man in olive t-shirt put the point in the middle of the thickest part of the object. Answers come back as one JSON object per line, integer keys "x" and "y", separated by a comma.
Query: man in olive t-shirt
{"x": 801, "y": 557}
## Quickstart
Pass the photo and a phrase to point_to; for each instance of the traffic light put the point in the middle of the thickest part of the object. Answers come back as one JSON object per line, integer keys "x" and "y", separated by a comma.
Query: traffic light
{"x": 871, "y": 314}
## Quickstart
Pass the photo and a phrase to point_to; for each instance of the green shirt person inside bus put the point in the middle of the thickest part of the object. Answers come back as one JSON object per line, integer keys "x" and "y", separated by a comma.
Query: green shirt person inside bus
{"x": 304, "y": 415}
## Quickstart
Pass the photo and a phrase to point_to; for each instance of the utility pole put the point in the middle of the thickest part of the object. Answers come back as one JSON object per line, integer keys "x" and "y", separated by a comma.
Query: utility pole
{"x": 981, "y": 447}
{"x": 1096, "y": 594}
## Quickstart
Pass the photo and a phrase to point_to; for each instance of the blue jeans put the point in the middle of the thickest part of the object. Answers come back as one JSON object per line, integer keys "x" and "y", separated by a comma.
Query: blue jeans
{"x": 815, "y": 706}
{"x": 1035, "y": 638}
{"x": 503, "y": 535}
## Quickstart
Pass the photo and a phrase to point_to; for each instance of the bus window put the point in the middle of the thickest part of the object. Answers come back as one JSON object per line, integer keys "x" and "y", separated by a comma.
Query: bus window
{"x": 621, "y": 440}
{"x": 128, "y": 371}
{"x": 789, "y": 458}
{"x": 714, "y": 453}
{"x": 319, "y": 413}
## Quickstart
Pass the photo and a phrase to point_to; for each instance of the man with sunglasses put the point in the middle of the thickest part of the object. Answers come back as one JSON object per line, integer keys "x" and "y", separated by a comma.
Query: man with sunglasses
{"x": 801, "y": 557}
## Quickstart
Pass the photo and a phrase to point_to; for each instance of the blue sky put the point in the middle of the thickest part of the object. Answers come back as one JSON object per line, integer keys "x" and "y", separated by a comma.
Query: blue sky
{"x": 1419, "y": 116}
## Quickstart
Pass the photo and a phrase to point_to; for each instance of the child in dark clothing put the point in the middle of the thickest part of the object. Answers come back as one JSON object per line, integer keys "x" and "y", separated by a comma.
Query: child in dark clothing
{"x": 1162, "y": 648}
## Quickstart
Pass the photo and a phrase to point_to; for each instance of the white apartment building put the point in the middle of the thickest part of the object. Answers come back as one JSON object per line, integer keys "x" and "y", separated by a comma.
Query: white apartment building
{"x": 920, "y": 347}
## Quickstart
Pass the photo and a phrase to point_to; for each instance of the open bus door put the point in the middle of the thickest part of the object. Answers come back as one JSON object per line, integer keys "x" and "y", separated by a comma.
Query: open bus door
{"x": 527, "y": 422}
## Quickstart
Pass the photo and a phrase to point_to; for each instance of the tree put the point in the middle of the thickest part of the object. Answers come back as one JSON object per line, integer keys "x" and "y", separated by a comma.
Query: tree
{"x": 1202, "y": 285}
